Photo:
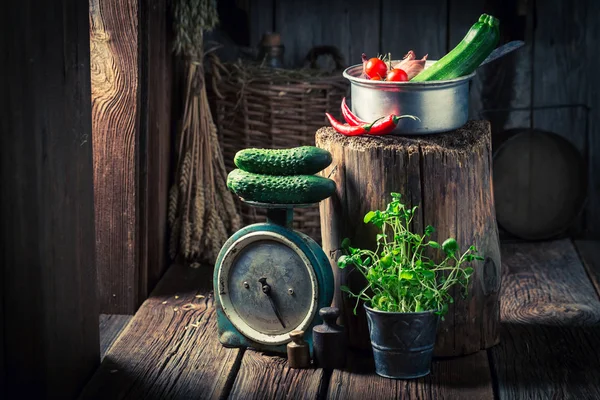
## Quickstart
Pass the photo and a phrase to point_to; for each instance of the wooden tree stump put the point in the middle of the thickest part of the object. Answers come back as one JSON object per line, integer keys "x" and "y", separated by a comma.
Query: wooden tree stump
{"x": 449, "y": 177}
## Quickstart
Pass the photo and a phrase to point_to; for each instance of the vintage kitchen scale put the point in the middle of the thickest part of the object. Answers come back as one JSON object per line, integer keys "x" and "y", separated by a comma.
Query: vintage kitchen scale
{"x": 270, "y": 280}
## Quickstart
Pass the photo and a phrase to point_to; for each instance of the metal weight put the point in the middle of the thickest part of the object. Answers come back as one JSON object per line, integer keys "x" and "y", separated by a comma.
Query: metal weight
{"x": 298, "y": 351}
{"x": 329, "y": 340}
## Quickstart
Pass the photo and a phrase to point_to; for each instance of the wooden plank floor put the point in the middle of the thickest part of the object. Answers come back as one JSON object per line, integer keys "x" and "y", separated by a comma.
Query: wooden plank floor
{"x": 589, "y": 251}
{"x": 550, "y": 341}
{"x": 111, "y": 326}
{"x": 550, "y": 344}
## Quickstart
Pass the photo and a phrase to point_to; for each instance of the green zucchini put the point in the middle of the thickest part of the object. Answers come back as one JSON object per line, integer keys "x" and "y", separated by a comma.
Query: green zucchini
{"x": 305, "y": 160}
{"x": 479, "y": 42}
{"x": 295, "y": 189}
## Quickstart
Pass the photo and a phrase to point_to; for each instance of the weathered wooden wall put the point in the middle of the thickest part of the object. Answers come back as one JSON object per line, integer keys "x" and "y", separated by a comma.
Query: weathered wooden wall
{"x": 556, "y": 67}
{"x": 131, "y": 104}
{"x": 48, "y": 306}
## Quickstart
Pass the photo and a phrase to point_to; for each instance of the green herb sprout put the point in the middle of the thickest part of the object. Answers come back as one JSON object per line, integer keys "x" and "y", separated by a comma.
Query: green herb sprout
{"x": 400, "y": 277}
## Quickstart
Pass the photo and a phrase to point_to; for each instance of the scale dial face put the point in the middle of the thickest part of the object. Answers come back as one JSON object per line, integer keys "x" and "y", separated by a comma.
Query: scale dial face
{"x": 267, "y": 287}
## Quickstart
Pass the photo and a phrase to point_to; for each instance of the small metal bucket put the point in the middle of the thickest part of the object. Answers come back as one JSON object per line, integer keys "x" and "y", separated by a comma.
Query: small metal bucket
{"x": 402, "y": 342}
{"x": 441, "y": 106}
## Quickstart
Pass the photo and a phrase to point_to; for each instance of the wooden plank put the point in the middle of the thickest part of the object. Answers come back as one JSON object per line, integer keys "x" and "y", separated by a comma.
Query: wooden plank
{"x": 522, "y": 24}
{"x": 300, "y": 28}
{"x": 262, "y": 376}
{"x": 550, "y": 315}
{"x": 170, "y": 349}
{"x": 505, "y": 83}
{"x": 466, "y": 377}
{"x": 111, "y": 326}
{"x": 560, "y": 72}
{"x": 592, "y": 30}
{"x": 576, "y": 135}
{"x": 542, "y": 277}
{"x": 115, "y": 107}
{"x": 261, "y": 19}
{"x": 351, "y": 26}
{"x": 420, "y": 26}
{"x": 155, "y": 137}
{"x": 462, "y": 14}
{"x": 47, "y": 268}
{"x": 131, "y": 109}
{"x": 589, "y": 252}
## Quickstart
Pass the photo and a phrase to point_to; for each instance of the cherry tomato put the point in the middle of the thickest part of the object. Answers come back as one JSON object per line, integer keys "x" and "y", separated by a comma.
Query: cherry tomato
{"x": 376, "y": 78}
{"x": 396, "y": 75}
{"x": 375, "y": 68}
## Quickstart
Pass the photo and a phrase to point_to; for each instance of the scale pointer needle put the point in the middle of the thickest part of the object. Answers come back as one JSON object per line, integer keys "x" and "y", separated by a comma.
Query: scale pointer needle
{"x": 266, "y": 288}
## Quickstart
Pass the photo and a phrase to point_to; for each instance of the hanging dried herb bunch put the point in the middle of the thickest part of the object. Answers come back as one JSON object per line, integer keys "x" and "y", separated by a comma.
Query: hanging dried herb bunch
{"x": 191, "y": 18}
{"x": 201, "y": 212}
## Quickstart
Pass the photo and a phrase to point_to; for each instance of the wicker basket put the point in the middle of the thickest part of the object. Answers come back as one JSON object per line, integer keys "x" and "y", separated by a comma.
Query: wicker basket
{"x": 274, "y": 108}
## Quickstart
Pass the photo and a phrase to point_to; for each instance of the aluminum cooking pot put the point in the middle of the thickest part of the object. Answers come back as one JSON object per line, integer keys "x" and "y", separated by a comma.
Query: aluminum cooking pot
{"x": 441, "y": 106}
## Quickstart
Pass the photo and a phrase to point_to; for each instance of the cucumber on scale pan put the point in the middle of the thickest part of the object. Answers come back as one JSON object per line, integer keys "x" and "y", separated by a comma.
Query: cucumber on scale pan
{"x": 288, "y": 189}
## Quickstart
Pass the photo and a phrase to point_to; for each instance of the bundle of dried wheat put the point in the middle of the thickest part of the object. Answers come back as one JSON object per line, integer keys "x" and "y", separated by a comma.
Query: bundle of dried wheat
{"x": 201, "y": 210}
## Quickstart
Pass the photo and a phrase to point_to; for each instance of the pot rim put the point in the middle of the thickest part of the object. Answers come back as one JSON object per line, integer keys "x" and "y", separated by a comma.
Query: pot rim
{"x": 397, "y": 312}
{"x": 385, "y": 84}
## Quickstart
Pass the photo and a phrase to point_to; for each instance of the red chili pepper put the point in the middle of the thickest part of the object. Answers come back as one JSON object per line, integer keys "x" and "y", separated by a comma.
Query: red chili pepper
{"x": 348, "y": 130}
{"x": 384, "y": 126}
{"x": 381, "y": 126}
{"x": 387, "y": 124}
{"x": 349, "y": 116}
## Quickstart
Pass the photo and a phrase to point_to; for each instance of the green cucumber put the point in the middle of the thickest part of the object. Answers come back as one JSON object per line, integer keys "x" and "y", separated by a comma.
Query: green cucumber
{"x": 305, "y": 160}
{"x": 295, "y": 189}
{"x": 479, "y": 42}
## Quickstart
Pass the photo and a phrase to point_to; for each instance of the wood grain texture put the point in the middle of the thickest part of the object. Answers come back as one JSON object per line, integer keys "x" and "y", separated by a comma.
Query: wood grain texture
{"x": 115, "y": 107}
{"x": 131, "y": 111}
{"x": 522, "y": 22}
{"x": 262, "y": 376}
{"x": 350, "y": 26}
{"x": 111, "y": 326}
{"x": 589, "y": 252}
{"x": 465, "y": 377}
{"x": 261, "y": 19}
{"x": 300, "y": 28}
{"x": 593, "y": 101}
{"x": 155, "y": 142}
{"x": 361, "y": 23}
{"x": 47, "y": 267}
{"x": 170, "y": 349}
{"x": 550, "y": 319}
{"x": 449, "y": 177}
{"x": 560, "y": 74}
{"x": 462, "y": 14}
{"x": 420, "y": 26}
{"x": 504, "y": 83}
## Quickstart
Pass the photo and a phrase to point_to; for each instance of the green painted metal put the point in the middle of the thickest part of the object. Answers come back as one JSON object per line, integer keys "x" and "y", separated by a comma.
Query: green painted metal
{"x": 279, "y": 222}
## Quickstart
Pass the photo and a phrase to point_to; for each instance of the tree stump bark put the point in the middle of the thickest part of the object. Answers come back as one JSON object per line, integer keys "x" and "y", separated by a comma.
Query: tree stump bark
{"x": 449, "y": 177}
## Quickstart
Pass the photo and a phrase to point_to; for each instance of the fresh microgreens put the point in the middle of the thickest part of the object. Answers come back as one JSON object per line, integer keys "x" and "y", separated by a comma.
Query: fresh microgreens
{"x": 400, "y": 276}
